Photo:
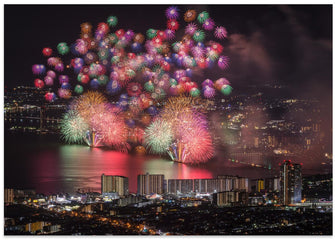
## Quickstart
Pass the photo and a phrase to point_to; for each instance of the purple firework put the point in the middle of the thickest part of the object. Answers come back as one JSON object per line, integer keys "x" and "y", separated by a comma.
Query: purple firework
{"x": 172, "y": 13}
{"x": 59, "y": 67}
{"x": 129, "y": 35}
{"x": 207, "y": 82}
{"x": 38, "y": 69}
{"x": 173, "y": 90}
{"x": 208, "y": 24}
{"x": 170, "y": 34}
{"x": 63, "y": 79}
{"x": 179, "y": 73}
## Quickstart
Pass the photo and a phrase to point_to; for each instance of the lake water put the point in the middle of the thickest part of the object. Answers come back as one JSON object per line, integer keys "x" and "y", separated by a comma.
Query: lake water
{"x": 47, "y": 165}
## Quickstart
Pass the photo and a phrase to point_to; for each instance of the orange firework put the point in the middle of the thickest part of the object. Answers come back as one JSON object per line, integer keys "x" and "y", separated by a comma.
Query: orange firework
{"x": 190, "y": 15}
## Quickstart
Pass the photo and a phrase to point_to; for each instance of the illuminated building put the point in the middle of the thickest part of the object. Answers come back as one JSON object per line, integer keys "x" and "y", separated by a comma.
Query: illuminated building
{"x": 260, "y": 185}
{"x": 150, "y": 183}
{"x": 272, "y": 184}
{"x": 290, "y": 182}
{"x": 175, "y": 186}
{"x": 233, "y": 183}
{"x": 36, "y": 226}
{"x": 230, "y": 198}
{"x": 219, "y": 184}
{"x": 117, "y": 184}
{"x": 9, "y": 196}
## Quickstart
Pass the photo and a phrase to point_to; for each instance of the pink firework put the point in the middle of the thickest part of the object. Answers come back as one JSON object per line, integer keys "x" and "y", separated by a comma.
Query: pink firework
{"x": 51, "y": 73}
{"x": 209, "y": 92}
{"x": 81, "y": 46}
{"x": 49, "y": 81}
{"x": 208, "y": 24}
{"x": 220, "y": 32}
{"x": 223, "y": 62}
{"x": 220, "y": 82}
{"x": 64, "y": 93}
{"x": 109, "y": 123}
{"x": 53, "y": 61}
{"x": 198, "y": 52}
{"x": 191, "y": 28}
{"x": 198, "y": 146}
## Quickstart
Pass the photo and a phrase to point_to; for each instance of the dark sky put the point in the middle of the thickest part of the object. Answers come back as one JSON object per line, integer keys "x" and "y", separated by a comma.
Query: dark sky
{"x": 273, "y": 43}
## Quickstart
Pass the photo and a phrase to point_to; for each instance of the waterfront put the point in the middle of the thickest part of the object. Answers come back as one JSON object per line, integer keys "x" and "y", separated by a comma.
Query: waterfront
{"x": 47, "y": 165}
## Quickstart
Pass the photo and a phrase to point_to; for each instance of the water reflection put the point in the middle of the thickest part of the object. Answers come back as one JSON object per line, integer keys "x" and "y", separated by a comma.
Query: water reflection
{"x": 82, "y": 166}
{"x": 49, "y": 166}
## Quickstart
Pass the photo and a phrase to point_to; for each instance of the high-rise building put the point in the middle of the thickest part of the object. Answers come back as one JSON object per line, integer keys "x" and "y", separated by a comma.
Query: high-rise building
{"x": 150, "y": 183}
{"x": 117, "y": 184}
{"x": 175, "y": 186}
{"x": 233, "y": 183}
{"x": 212, "y": 185}
{"x": 260, "y": 185}
{"x": 272, "y": 184}
{"x": 290, "y": 182}
{"x": 230, "y": 198}
{"x": 9, "y": 196}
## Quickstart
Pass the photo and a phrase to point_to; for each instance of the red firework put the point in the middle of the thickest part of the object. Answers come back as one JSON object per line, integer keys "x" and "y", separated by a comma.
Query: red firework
{"x": 173, "y": 24}
{"x": 134, "y": 89}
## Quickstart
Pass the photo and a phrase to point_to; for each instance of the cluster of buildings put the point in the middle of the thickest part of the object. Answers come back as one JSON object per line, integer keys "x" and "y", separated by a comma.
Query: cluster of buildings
{"x": 223, "y": 190}
{"x": 159, "y": 200}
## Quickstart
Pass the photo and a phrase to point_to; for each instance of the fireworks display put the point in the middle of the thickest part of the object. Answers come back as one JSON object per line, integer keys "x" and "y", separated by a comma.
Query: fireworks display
{"x": 143, "y": 71}
{"x": 91, "y": 119}
{"x": 181, "y": 131}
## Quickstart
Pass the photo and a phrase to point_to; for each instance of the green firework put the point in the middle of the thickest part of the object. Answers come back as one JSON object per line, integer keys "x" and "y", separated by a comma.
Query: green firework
{"x": 79, "y": 89}
{"x": 199, "y": 36}
{"x": 62, "y": 48}
{"x": 151, "y": 33}
{"x": 226, "y": 89}
{"x": 112, "y": 21}
{"x": 73, "y": 128}
{"x": 158, "y": 136}
{"x": 202, "y": 17}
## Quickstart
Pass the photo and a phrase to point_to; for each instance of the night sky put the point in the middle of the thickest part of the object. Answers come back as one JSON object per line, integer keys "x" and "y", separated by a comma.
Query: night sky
{"x": 290, "y": 45}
